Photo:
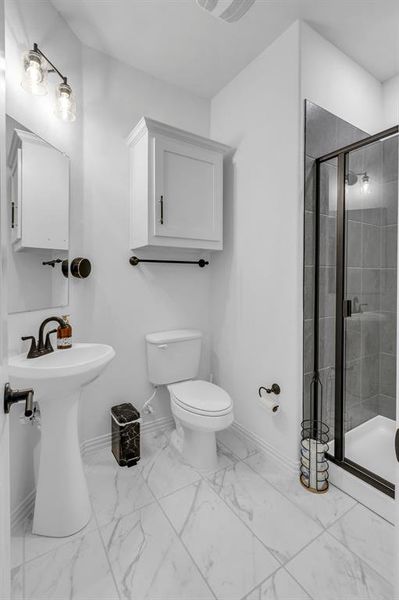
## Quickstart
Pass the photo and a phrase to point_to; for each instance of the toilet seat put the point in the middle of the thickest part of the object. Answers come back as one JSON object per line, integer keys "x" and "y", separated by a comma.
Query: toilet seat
{"x": 201, "y": 397}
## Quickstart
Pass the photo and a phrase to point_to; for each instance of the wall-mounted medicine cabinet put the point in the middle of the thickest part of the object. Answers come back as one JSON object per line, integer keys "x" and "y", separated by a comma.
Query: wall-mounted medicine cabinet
{"x": 39, "y": 193}
{"x": 176, "y": 188}
{"x": 38, "y": 217}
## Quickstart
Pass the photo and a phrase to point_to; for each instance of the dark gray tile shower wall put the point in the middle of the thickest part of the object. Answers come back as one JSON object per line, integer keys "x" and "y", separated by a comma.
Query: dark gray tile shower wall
{"x": 371, "y": 273}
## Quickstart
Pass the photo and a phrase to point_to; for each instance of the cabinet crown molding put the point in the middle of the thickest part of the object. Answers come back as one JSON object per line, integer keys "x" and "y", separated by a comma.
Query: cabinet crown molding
{"x": 147, "y": 125}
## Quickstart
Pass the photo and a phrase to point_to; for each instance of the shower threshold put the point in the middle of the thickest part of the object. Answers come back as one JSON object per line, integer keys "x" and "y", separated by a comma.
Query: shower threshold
{"x": 371, "y": 446}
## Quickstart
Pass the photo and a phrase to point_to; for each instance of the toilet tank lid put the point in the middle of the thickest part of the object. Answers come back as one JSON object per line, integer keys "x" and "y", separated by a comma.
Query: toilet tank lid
{"x": 176, "y": 335}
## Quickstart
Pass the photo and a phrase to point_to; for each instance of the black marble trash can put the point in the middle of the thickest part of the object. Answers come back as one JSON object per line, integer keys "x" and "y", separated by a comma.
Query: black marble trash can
{"x": 126, "y": 434}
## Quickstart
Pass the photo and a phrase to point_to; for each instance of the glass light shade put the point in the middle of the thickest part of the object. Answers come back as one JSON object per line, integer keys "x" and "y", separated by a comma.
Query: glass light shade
{"x": 34, "y": 78}
{"x": 65, "y": 105}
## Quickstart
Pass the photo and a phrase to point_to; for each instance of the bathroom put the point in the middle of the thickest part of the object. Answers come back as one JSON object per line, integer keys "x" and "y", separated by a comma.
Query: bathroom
{"x": 261, "y": 97}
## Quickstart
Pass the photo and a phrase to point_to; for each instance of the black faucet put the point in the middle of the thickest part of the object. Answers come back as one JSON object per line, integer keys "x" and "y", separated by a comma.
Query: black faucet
{"x": 43, "y": 347}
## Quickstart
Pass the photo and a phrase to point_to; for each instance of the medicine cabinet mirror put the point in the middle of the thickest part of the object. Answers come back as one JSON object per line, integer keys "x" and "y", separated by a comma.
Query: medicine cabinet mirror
{"x": 38, "y": 217}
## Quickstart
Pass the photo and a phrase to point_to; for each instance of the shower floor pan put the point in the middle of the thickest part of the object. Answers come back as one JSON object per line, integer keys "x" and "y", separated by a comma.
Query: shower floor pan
{"x": 371, "y": 445}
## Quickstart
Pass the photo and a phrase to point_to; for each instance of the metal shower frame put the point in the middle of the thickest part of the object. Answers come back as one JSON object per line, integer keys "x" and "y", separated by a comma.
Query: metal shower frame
{"x": 340, "y": 312}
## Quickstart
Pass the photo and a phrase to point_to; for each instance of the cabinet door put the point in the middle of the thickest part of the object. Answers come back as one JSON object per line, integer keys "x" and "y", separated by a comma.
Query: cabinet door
{"x": 45, "y": 196}
{"x": 188, "y": 191}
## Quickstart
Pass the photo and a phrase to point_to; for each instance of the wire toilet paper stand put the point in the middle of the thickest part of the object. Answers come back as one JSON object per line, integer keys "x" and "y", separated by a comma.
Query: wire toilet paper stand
{"x": 314, "y": 445}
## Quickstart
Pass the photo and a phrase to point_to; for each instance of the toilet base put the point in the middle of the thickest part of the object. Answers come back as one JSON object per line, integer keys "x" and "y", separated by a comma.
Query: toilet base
{"x": 198, "y": 448}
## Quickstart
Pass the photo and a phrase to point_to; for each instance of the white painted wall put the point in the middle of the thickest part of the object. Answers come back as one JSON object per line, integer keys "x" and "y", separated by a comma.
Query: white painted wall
{"x": 338, "y": 84}
{"x": 390, "y": 92}
{"x": 251, "y": 296}
{"x": 256, "y": 306}
{"x": 27, "y": 23}
{"x": 121, "y": 302}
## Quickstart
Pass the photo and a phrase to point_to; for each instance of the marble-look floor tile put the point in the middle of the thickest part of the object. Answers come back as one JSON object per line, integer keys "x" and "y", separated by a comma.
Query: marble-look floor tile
{"x": 36, "y": 545}
{"x": 324, "y": 508}
{"x": 152, "y": 443}
{"x": 280, "y": 586}
{"x": 237, "y": 444}
{"x": 17, "y": 542}
{"x": 116, "y": 491}
{"x": 149, "y": 561}
{"x": 17, "y": 583}
{"x": 328, "y": 570}
{"x": 278, "y": 523}
{"x": 165, "y": 472}
{"x": 370, "y": 537}
{"x": 75, "y": 571}
{"x": 229, "y": 556}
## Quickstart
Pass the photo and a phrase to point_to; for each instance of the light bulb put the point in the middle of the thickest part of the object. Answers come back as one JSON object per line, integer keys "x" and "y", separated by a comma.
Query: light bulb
{"x": 65, "y": 106}
{"x": 34, "y": 78}
{"x": 365, "y": 185}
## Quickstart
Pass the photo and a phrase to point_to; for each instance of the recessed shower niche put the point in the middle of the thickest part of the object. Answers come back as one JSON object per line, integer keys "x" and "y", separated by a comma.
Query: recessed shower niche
{"x": 38, "y": 216}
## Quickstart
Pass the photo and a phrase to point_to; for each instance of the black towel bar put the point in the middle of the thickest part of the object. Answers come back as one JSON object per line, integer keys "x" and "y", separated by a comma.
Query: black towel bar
{"x": 134, "y": 261}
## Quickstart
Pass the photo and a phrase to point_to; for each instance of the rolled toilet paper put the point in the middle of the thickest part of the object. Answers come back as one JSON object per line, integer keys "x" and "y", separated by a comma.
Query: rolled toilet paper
{"x": 269, "y": 404}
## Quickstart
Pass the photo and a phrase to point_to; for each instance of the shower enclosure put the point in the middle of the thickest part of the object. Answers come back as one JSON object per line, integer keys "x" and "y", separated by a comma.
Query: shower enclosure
{"x": 352, "y": 247}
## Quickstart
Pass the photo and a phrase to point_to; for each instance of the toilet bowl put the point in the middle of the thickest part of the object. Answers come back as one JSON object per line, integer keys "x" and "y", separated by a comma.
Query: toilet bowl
{"x": 199, "y": 408}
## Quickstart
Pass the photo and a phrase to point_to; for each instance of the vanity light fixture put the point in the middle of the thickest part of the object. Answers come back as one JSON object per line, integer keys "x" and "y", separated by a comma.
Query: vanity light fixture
{"x": 35, "y": 68}
{"x": 65, "y": 105}
{"x": 35, "y": 73}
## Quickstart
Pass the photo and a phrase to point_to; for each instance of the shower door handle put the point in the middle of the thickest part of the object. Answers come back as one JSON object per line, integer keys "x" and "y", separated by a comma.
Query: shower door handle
{"x": 347, "y": 309}
{"x": 397, "y": 444}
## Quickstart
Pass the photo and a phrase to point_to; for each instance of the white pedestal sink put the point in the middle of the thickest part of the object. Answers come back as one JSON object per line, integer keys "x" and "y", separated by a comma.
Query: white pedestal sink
{"x": 62, "y": 504}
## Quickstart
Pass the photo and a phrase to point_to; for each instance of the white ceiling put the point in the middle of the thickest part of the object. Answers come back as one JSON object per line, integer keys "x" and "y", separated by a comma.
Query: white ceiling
{"x": 179, "y": 42}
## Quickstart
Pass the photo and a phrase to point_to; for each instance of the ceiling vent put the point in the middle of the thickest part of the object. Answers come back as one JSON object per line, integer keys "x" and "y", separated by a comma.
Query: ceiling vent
{"x": 227, "y": 10}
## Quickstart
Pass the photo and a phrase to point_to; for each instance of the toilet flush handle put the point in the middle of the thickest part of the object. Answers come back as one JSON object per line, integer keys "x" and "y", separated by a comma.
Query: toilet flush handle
{"x": 162, "y": 346}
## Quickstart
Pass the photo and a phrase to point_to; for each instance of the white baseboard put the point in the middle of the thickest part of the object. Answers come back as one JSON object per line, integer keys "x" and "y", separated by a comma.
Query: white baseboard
{"x": 23, "y": 510}
{"x": 157, "y": 424}
{"x": 101, "y": 441}
{"x": 282, "y": 459}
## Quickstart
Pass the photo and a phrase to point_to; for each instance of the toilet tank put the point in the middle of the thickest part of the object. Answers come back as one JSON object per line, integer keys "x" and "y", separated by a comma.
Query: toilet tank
{"x": 173, "y": 355}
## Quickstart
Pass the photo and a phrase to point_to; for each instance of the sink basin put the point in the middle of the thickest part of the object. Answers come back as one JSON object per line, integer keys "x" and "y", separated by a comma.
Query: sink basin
{"x": 62, "y": 505}
{"x": 77, "y": 365}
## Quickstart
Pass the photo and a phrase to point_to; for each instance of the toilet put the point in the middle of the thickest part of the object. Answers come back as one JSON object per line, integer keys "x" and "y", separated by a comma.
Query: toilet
{"x": 199, "y": 408}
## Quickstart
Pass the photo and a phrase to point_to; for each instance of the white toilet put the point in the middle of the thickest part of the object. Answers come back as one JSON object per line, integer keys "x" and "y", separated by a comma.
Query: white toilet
{"x": 199, "y": 408}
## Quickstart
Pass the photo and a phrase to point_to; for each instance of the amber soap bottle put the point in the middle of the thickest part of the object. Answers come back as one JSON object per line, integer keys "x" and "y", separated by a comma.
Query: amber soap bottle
{"x": 64, "y": 335}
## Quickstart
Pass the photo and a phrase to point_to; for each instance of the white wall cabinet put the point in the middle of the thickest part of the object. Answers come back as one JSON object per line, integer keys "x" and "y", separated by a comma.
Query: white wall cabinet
{"x": 39, "y": 190}
{"x": 176, "y": 188}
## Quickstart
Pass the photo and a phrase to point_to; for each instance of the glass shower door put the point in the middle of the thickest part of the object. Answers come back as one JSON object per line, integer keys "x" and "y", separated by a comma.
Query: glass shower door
{"x": 368, "y": 361}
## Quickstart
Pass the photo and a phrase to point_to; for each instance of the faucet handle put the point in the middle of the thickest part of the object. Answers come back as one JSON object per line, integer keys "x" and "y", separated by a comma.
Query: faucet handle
{"x": 33, "y": 352}
{"x": 47, "y": 344}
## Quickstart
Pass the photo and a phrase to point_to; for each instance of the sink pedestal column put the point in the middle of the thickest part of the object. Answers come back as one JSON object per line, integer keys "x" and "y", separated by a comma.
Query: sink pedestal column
{"x": 62, "y": 504}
